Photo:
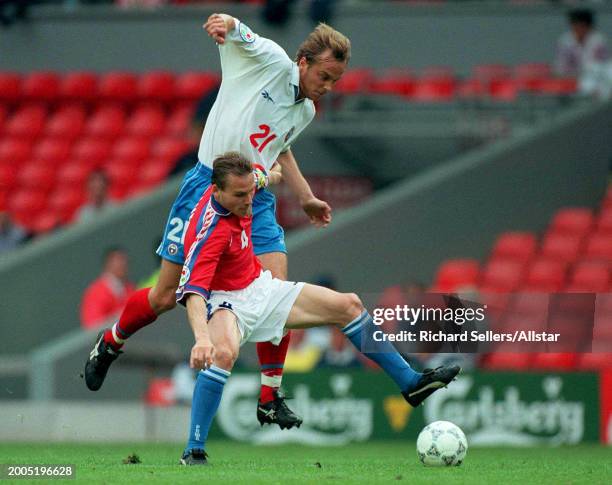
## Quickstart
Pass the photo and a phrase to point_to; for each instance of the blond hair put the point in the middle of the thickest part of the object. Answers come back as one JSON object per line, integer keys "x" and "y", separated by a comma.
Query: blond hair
{"x": 321, "y": 39}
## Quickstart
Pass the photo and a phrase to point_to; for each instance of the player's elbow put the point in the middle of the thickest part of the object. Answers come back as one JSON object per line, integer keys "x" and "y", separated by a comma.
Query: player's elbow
{"x": 225, "y": 356}
{"x": 162, "y": 302}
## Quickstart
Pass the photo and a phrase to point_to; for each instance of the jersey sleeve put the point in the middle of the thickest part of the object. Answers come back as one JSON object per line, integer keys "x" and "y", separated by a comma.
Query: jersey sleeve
{"x": 244, "y": 51}
{"x": 201, "y": 264}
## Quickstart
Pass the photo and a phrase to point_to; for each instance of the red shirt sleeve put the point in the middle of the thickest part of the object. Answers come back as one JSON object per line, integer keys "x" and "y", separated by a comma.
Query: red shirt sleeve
{"x": 199, "y": 271}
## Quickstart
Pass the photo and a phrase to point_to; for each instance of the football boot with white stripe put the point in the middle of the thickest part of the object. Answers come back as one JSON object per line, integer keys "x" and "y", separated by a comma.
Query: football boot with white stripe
{"x": 430, "y": 382}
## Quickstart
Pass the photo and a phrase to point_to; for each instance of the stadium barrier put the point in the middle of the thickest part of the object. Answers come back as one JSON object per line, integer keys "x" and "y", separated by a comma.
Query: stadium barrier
{"x": 342, "y": 406}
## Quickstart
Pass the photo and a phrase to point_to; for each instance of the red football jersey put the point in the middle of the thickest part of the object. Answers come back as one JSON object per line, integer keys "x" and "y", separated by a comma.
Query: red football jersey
{"x": 219, "y": 250}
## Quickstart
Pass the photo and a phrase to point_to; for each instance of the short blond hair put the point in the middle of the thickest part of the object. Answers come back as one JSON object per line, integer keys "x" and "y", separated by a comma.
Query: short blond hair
{"x": 321, "y": 39}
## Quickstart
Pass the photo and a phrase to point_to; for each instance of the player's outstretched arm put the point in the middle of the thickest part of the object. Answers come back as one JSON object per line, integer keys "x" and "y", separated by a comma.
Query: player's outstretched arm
{"x": 318, "y": 211}
{"x": 218, "y": 25}
{"x": 202, "y": 352}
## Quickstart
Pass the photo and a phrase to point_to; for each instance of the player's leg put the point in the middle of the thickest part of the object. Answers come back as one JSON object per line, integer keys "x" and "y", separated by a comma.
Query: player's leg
{"x": 269, "y": 246}
{"x": 316, "y": 305}
{"x": 146, "y": 304}
{"x": 225, "y": 337}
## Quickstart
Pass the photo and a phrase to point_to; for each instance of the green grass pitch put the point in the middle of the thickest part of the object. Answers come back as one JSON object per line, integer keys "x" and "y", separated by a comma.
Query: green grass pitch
{"x": 371, "y": 462}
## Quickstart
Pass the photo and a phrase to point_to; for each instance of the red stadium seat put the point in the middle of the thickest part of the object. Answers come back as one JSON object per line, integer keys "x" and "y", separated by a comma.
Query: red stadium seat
{"x": 518, "y": 246}
{"x": 121, "y": 174}
{"x": 561, "y": 246}
{"x": 53, "y": 150}
{"x": 602, "y": 329}
{"x": 65, "y": 201}
{"x": 94, "y": 150}
{"x": 530, "y": 305}
{"x": 604, "y": 223}
{"x": 132, "y": 149}
{"x": 157, "y": 86}
{"x": 10, "y": 87}
{"x": 26, "y": 203}
{"x": 545, "y": 276}
{"x": 170, "y": 148}
{"x": 153, "y": 173}
{"x": 603, "y": 305}
{"x": 457, "y": 273}
{"x": 590, "y": 276}
{"x": 393, "y": 81}
{"x": 506, "y": 90}
{"x": 179, "y": 123}
{"x": 41, "y": 86}
{"x": 147, "y": 121}
{"x": 3, "y": 115}
{"x": 554, "y": 361}
{"x": 506, "y": 361}
{"x": 75, "y": 172}
{"x": 559, "y": 86}
{"x": 8, "y": 177}
{"x": 27, "y": 122}
{"x": 435, "y": 89}
{"x": 355, "y": 81}
{"x": 14, "y": 150}
{"x": 531, "y": 76}
{"x": 45, "y": 222}
{"x": 502, "y": 275}
{"x": 107, "y": 122}
{"x": 595, "y": 361}
{"x": 79, "y": 86}
{"x": 37, "y": 176}
{"x": 574, "y": 220}
{"x": 471, "y": 88}
{"x": 192, "y": 86}
{"x": 118, "y": 86}
{"x": 66, "y": 123}
{"x": 599, "y": 247}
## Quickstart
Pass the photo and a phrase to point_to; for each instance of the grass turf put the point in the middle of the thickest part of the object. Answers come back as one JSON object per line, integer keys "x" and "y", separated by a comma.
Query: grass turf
{"x": 372, "y": 462}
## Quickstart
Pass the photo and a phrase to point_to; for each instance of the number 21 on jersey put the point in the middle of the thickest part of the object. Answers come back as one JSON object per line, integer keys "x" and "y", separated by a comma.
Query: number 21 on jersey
{"x": 261, "y": 138}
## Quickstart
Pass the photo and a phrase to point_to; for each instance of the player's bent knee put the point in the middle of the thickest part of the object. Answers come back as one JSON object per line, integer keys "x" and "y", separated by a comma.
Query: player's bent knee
{"x": 352, "y": 307}
{"x": 225, "y": 357}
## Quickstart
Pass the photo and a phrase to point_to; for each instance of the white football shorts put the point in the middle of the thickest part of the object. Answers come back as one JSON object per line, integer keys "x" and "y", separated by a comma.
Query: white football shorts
{"x": 261, "y": 308}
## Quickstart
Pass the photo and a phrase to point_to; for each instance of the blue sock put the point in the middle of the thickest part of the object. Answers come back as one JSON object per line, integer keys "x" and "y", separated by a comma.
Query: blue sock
{"x": 383, "y": 353}
{"x": 206, "y": 399}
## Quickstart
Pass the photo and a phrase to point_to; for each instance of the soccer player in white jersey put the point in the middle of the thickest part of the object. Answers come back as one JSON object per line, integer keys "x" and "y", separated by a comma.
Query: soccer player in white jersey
{"x": 264, "y": 102}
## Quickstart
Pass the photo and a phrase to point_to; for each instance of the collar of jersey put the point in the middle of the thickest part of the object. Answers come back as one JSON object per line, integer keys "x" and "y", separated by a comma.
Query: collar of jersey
{"x": 295, "y": 82}
{"x": 218, "y": 208}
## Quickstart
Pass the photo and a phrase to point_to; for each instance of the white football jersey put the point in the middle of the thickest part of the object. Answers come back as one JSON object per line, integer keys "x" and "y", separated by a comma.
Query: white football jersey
{"x": 256, "y": 112}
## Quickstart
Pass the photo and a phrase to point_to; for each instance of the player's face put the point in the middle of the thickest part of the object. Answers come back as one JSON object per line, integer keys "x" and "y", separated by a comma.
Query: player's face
{"x": 237, "y": 196}
{"x": 318, "y": 79}
{"x": 580, "y": 30}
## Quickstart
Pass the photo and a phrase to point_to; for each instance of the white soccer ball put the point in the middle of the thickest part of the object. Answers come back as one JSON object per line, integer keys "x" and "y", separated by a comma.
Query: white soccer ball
{"x": 441, "y": 443}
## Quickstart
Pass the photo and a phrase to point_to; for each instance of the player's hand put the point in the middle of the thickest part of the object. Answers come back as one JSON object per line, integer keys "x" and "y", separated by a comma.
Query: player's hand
{"x": 216, "y": 28}
{"x": 261, "y": 178}
{"x": 276, "y": 174}
{"x": 318, "y": 211}
{"x": 202, "y": 354}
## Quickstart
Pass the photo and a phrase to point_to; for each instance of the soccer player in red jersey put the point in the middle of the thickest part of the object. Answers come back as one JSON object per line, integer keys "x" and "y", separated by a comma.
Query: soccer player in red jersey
{"x": 231, "y": 300}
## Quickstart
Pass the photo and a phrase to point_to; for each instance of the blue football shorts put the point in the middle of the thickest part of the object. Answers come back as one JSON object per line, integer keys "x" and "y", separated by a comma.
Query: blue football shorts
{"x": 267, "y": 235}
